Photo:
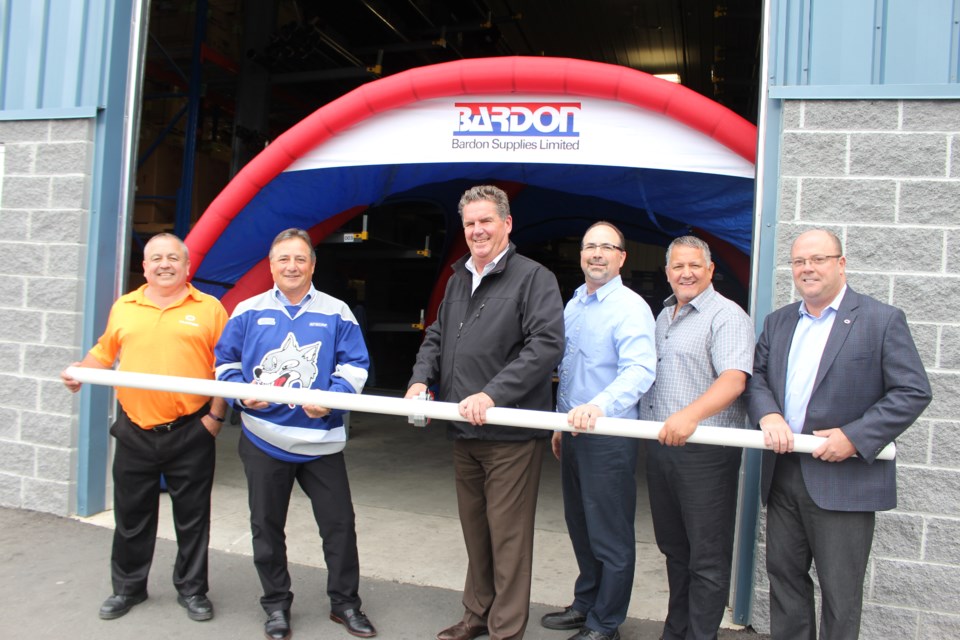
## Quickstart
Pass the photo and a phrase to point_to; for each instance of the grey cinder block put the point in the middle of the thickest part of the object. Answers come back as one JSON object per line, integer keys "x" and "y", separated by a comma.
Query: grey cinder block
{"x": 845, "y": 201}
{"x": 898, "y": 154}
{"x": 21, "y": 325}
{"x": 910, "y": 584}
{"x": 884, "y": 248}
{"x": 58, "y": 158}
{"x": 931, "y": 115}
{"x": 48, "y": 496}
{"x": 26, "y": 192}
{"x": 915, "y": 295}
{"x": 945, "y": 435}
{"x": 57, "y": 226}
{"x": 56, "y": 294}
{"x": 855, "y": 115}
{"x": 813, "y": 154}
{"x": 926, "y": 490}
{"x": 930, "y": 202}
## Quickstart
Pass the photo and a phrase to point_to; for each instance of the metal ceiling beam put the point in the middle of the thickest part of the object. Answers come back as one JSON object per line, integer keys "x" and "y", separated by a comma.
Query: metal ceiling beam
{"x": 409, "y": 45}
{"x": 338, "y": 48}
{"x": 406, "y": 43}
{"x": 382, "y": 18}
{"x": 322, "y": 75}
{"x": 182, "y": 219}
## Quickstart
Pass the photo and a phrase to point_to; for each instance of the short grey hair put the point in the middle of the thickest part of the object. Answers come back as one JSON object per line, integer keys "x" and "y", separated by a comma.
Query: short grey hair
{"x": 486, "y": 193}
{"x": 290, "y": 234}
{"x": 163, "y": 236}
{"x": 689, "y": 241}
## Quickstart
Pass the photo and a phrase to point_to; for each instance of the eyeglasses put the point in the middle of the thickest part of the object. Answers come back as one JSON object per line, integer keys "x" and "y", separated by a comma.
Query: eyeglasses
{"x": 606, "y": 247}
{"x": 799, "y": 263}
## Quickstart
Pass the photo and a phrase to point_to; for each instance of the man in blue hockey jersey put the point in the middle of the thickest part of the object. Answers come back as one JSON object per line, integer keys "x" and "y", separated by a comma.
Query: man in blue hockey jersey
{"x": 296, "y": 336}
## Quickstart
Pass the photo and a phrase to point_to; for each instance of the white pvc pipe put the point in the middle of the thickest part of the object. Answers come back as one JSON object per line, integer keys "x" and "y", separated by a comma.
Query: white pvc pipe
{"x": 437, "y": 410}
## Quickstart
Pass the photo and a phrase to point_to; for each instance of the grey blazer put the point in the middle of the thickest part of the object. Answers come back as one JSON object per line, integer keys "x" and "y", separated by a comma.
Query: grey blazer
{"x": 871, "y": 383}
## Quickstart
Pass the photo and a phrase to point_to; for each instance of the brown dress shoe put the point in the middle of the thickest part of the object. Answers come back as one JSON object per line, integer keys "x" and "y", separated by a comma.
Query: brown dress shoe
{"x": 462, "y": 631}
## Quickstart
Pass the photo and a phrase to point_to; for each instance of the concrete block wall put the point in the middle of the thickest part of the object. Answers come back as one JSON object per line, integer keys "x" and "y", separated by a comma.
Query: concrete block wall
{"x": 44, "y": 207}
{"x": 885, "y": 176}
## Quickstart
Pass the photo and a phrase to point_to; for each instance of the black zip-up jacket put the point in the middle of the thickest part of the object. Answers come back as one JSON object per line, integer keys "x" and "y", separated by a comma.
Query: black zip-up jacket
{"x": 505, "y": 340}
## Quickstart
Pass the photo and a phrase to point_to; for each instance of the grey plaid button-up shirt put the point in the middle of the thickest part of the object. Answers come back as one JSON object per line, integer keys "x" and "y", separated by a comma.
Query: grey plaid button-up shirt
{"x": 710, "y": 335}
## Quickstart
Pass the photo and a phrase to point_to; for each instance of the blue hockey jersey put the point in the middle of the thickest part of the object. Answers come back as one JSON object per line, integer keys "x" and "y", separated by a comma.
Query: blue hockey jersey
{"x": 319, "y": 347}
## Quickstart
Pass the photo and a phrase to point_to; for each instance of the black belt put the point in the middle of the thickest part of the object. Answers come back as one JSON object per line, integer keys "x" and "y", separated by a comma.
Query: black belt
{"x": 182, "y": 420}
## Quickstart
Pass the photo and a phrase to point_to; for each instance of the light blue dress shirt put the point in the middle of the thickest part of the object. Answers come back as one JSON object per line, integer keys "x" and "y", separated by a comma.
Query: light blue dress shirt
{"x": 609, "y": 359}
{"x": 292, "y": 309}
{"x": 806, "y": 349}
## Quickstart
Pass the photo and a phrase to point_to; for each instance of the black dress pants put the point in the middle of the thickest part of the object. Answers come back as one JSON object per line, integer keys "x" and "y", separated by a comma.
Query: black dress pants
{"x": 693, "y": 503}
{"x": 186, "y": 457}
{"x": 324, "y": 480}
{"x": 800, "y": 533}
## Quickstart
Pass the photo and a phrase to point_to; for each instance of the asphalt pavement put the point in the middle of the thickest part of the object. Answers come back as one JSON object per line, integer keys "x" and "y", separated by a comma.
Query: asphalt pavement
{"x": 54, "y": 574}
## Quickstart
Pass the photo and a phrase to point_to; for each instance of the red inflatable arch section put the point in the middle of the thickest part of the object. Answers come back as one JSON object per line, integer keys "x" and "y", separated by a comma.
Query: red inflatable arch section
{"x": 558, "y": 76}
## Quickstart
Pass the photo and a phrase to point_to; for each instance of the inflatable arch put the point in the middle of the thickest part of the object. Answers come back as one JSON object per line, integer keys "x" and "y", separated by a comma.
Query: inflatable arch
{"x": 566, "y": 138}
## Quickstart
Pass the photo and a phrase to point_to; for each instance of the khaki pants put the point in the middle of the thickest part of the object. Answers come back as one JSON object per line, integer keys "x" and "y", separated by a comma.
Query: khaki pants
{"x": 497, "y": 487}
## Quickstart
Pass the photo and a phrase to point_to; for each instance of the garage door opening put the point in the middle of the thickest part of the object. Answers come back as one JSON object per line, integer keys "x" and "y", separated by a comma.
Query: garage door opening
{"x": 375, "y": 177}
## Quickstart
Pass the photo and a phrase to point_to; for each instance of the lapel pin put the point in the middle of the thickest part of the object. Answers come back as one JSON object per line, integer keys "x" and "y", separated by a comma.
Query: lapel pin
{"x": 846, "y": 321}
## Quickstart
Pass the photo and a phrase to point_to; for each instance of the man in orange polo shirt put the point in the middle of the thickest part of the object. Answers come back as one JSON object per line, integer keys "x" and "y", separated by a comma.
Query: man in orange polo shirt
{"x": 165, "y": 327}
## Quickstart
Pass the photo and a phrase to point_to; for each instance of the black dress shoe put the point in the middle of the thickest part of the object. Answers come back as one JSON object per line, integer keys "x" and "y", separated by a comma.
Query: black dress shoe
{"x": 569, "y": 618}
{"x": 355, "y": 621}
{"x": 118, "y": 605}
{"x": 277, "y": 626}
{"x": 198, "y": 606}
{"x": 590, "y": 634}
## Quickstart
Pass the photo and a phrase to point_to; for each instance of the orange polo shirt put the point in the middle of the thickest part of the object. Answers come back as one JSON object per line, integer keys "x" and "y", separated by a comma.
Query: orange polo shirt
{"x": 175, "y": 341}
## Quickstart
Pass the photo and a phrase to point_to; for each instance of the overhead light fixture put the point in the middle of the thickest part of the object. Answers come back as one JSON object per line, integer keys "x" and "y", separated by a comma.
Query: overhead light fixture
{"x": 669, "y": 77}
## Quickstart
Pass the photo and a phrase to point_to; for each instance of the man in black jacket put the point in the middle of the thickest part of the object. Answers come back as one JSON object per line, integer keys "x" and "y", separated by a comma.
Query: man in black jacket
{"x": 496, "y": 341}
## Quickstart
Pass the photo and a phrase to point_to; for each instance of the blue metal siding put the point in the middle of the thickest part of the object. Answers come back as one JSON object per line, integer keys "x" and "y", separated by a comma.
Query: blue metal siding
{"x": 793, "y": 43}
{"x": 842, "y": 42}
{"x": 917, "y": 50}
{"x": 865, "y": 48}
{"x": 51, "y": 57}
{"x": 62, "y": 83}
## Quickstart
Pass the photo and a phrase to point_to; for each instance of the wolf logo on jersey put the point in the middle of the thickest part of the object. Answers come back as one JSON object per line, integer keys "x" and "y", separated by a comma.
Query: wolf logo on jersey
{"x": 289, "y": 366}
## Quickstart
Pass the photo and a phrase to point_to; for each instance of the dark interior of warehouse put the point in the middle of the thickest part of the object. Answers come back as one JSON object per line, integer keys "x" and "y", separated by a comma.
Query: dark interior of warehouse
{"x": 222, "y": 78}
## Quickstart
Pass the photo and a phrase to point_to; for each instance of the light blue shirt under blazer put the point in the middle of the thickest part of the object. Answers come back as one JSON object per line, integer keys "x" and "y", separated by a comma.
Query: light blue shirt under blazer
{"x": 610, "y": 359}
{"x": 806, "y": 349}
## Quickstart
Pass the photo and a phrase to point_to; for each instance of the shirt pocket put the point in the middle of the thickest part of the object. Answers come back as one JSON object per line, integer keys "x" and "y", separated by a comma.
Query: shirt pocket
{"x": 594, "y": 345}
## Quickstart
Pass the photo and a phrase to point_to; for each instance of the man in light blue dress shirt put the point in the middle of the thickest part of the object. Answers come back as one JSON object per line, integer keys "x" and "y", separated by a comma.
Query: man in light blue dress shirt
{"x": 608, "y": 362}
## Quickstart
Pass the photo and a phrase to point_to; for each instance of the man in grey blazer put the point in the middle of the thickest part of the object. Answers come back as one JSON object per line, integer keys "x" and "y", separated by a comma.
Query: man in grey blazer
{"x": 843, "y": 366}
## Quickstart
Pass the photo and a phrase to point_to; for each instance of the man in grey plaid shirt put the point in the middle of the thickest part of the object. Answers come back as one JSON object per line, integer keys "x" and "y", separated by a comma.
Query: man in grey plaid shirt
{"x": 704, "y": 357}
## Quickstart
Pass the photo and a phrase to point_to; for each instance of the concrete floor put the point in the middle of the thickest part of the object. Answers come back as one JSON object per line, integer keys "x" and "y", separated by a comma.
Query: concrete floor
{"x": 407, "y": 525}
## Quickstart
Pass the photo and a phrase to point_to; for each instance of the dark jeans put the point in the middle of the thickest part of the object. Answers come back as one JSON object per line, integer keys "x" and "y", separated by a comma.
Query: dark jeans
{"x": 693, "y": 502}
{"x": 269, "y": 484}
{"x": 186, "y": 457}
{"x": 600, "y": 505}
